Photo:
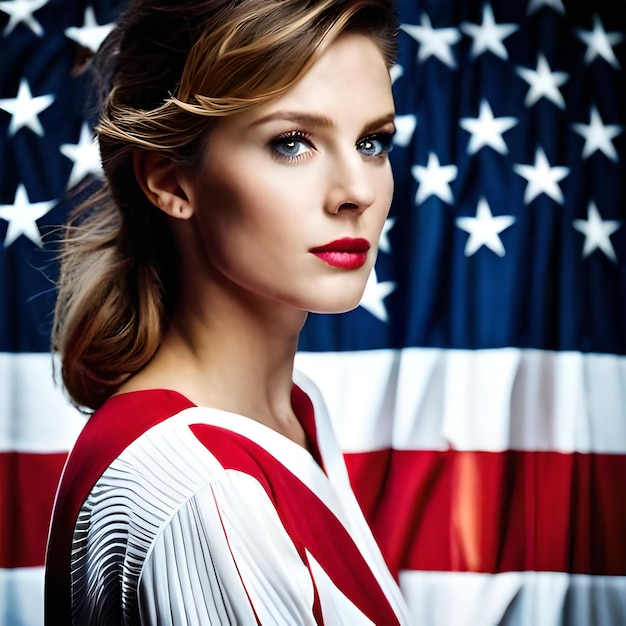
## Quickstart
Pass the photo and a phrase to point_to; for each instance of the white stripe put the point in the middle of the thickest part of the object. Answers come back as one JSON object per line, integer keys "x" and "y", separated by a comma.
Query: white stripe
{"x": 336, "y": 608}
{"x": 434, "y": 598}
{"x": 21, "y": 596}
{"x": 492, "y": 400}
{"x": 35, "y": 414}
{"x": 416, "y": 398}
{"x": 514, "y": 599}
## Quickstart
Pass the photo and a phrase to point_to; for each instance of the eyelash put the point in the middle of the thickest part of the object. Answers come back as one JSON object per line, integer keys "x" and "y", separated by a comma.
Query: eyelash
{"x": 293, "y": 136}
{"x": 301, "y": 137}
{"x": 385, "y": 139}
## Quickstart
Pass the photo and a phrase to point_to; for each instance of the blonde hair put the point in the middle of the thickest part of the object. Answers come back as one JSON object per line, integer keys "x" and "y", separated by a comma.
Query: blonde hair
{"x": 166, "y": 72}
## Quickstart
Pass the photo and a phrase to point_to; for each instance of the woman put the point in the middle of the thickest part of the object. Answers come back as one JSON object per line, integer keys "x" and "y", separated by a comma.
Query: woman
{"x": 245, "y": 149}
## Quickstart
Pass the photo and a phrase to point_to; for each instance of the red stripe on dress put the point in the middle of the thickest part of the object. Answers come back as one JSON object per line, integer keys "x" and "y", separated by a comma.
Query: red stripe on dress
{"x": 27, "y": 489}
{"x": 305, "y": 412}
{"x": 309, "y": 522}
{"x": 495, "y": 511}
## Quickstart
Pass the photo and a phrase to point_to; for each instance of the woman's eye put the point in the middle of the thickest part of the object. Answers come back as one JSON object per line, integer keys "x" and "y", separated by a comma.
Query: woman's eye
{"x": 375, "y": 145}
{"x": 291, "y": 146}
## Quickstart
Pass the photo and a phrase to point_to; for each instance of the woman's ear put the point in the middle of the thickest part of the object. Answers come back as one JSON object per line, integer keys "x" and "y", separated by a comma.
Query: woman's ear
{"x": 159, "y": 178}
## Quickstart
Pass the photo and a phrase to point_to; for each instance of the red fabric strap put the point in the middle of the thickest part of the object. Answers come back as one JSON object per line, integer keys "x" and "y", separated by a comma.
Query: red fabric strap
{"x": 311, "y": 525}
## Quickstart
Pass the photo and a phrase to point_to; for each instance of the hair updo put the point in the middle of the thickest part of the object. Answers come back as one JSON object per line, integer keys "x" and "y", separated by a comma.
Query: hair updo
{"x": 168, "y": 69}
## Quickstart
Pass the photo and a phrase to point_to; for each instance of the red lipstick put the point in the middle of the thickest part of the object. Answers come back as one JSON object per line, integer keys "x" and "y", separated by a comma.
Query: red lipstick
{"x": 347, "y": 253}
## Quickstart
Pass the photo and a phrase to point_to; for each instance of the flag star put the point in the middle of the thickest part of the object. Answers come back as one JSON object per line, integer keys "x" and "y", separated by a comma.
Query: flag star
{"x": 24, "y": 109}
{"x": 395, "y": 72}
{"x": 22, "y": 11}
{"x": 598, "y": 136}
{"x": 405, "y": 127}
{"x": 487, "y": 130}
{"x": 489, "y": 35}
{"x": 434, "y": 179}
{"x": 543, "y": 83}
{"x": 383, "y": 241}
{"x": 484, "y": 229}
{"x": 374, "y": 294}
{"x": 542, "y": 178}
{"x": 91, "y": 34}
{"x": 535, "y": 5}
{"x": 85, "y": 154}
{"x": 600, "y": 43}
{"x": 22, "y": 215}
{"x": 597, "y": 232}
{"x": 433, "y": 41}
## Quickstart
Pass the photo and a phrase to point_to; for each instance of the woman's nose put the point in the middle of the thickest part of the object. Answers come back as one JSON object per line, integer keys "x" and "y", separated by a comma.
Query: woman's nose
{"x": 352, "y": 187}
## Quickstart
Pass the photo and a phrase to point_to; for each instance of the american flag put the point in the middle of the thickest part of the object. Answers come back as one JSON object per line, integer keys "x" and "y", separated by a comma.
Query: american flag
{"x": 479, "y": 390}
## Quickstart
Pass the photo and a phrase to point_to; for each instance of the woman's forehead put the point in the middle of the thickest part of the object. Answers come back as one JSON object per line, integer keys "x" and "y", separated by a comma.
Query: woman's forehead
{"x": 350, "y": 77}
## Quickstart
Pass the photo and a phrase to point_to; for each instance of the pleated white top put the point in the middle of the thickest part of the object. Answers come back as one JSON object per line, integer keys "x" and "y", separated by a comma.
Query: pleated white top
{"x": 212, "y": 518}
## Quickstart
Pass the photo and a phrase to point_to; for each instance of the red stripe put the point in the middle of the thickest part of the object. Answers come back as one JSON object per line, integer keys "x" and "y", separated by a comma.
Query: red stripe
{"x": 311, "y": 525}
{"x": 495, "y": 512}
{"x": 27, "y": 490}
{"x": 539, "y": 510}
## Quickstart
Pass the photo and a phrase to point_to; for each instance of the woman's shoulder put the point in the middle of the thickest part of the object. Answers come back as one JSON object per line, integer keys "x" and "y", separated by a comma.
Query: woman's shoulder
{"x": 181, "y": 448}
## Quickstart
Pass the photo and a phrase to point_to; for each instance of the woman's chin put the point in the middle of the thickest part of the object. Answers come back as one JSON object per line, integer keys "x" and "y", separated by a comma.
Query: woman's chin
{"x": 337, "y": 305}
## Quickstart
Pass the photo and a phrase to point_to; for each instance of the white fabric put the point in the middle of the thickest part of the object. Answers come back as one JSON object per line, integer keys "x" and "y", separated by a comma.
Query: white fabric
{"x": 514, "y": 598}
{"x": 434, "y": 598}
{"x": 195, "y": 543}
{"x": 491, "y": 400}
{"x": 35, "y": 414}
{"x": 336, "y": 608}
{"x": 428, "y": 399}
{"x": 21, "y": 596}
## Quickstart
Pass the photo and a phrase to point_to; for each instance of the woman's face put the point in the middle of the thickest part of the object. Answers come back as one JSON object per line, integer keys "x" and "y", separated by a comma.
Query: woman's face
{"x": 294, "y": 193}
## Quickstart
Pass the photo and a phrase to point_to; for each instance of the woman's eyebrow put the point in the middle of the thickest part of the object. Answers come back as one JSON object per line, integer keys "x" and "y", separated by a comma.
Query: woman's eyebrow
{"x": 313, "y": 120}
{"x": 380, "y": 122}
{"x": 305, "y": 119}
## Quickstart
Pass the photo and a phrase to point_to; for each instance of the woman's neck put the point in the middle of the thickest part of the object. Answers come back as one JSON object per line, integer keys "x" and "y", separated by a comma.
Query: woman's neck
{"x": 230, "y": 354}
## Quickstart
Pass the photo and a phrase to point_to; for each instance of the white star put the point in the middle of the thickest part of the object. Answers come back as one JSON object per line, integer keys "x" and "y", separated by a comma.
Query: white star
{"x": 535, "y": 5}
{"x": 600, "y": 43}
{"x": 22, "y": 215}
{"x": 434, "y": 179}
{"x": 598, "y": 136}
{"x": 433, "y": 41}
{"x": 22, "y": 11}
{"x": 489, "y": 35}
{"x": 85, "y": 154}
{"x": 405, "y": 127}
{"x": 487, "y": 130}
{"x": 375, "y": 292}
{"x": 24, "y": 109}
{"x": 542, "y": 178}
{"x": 543, "y": 83}
{"x": 484, "y": 229}
{"x": 597, "y": 232}
{"x": 383, "y": 241}
{"x": 395, "y": 72}
{"x": 90, "y": 35}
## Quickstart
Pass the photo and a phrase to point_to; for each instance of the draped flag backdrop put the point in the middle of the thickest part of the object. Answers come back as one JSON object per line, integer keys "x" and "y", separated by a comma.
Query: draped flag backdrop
{"x": 479, "y": 391}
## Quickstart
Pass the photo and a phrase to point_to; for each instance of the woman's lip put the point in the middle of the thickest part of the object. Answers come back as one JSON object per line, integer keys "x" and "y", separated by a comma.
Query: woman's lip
{"x": 344, "y": 260}
{"x": 346, "y": 253}
{"x": 347, "y": 244}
